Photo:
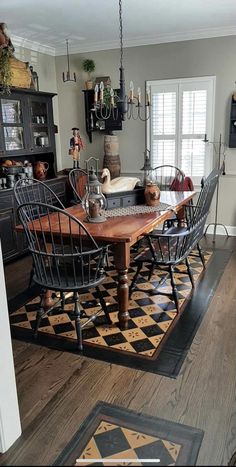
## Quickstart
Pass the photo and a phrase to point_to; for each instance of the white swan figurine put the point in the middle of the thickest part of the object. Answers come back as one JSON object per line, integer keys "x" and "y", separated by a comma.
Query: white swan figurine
{"x": 118, "y": 183}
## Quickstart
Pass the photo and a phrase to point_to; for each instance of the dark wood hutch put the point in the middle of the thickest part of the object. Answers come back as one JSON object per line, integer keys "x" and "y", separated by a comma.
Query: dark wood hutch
{"x": 27, "y": 133}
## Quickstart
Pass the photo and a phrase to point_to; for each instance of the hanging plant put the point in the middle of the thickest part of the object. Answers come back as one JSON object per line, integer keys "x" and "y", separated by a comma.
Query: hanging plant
{"x": 5, "y": 70}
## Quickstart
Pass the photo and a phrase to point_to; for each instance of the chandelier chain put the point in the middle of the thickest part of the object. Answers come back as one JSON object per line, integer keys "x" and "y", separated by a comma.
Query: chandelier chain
{"x": 125, "y": 106}
{"x": 121, "y": 33}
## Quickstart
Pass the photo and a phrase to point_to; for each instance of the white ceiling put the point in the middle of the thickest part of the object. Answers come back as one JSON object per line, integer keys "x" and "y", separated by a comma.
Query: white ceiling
{"x": 94, "y": 24}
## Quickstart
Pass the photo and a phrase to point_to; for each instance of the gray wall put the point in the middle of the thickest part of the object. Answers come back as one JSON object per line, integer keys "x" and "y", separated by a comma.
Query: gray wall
{"x": 204, "y": 57}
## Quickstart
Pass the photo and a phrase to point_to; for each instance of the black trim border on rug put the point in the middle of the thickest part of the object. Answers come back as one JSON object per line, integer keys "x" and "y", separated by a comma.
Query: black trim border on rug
{"x": 23, "y": 297}
{"x": 171, "y": 357}
{"x": 152, "y": 426}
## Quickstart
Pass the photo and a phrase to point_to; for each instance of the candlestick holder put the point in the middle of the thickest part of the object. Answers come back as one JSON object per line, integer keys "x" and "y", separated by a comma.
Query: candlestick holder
{"x": 221, "y": 168}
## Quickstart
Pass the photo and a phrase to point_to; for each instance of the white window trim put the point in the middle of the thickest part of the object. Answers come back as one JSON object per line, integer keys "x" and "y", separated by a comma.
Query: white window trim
{"x": 210, "y": 114}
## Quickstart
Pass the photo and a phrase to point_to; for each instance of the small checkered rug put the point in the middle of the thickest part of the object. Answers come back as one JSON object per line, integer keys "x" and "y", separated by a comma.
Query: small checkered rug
{"x": 152, "y": 319}
{"x": 112, "y": 435}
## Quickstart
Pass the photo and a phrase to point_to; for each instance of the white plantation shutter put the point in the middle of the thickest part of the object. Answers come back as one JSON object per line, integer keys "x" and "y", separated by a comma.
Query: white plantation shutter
{"x": 164, "y": 105}
{"x": 181, "y": 114}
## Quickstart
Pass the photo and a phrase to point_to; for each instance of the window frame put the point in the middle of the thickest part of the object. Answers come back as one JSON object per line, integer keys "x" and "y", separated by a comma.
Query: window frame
{"x": 179, "y": 85}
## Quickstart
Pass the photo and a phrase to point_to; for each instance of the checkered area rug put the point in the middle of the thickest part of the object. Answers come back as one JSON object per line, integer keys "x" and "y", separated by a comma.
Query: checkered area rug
{"x": 151, "y": 316}
{"x": 115, "y": 441}
{"x": 112, "y": 435}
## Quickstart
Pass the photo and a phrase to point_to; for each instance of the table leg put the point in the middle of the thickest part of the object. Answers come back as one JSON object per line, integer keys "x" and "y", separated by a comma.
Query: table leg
{"x": 122, "y": 260}
{"x": 181, "y": 217}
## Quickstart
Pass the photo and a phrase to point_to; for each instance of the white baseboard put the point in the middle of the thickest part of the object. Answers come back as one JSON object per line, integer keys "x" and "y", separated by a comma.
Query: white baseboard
{"x": 221, "y": 231}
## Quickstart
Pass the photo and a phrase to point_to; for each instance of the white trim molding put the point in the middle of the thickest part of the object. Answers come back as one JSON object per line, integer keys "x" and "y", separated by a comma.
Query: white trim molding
{"x": 10, "y": 426}
{"x": 31, "y": 45}
{"x": 221, "y": 231}
{"x": 134, "y": 42}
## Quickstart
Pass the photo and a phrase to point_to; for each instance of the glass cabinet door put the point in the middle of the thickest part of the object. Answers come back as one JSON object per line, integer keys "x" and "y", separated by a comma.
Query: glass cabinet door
{"x": 12, "y": 124}
{"x": 40, "y": 124}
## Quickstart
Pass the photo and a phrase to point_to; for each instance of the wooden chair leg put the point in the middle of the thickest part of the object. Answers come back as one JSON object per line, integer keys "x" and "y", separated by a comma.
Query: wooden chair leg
{"x": 134, "y": 280}
{"x": 174, "y": 288}
{"x": 104, "y": 306}
{"x": 189, "y": 272}
{"x": 77, "y": 321}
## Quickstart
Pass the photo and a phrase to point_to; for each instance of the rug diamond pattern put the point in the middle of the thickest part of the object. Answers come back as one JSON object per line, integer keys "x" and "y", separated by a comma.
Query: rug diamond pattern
{"x": 151, "y": 315}
{"x": 111, "y": 441}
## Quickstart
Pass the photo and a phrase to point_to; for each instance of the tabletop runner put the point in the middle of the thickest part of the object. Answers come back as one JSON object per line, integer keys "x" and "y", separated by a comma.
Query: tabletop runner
{"x": 138, "y": 209}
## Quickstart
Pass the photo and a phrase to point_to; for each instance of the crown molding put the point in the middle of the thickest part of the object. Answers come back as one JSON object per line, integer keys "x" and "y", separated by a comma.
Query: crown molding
{"x": 135, "y": 42}
{"x": 32, "y": 45}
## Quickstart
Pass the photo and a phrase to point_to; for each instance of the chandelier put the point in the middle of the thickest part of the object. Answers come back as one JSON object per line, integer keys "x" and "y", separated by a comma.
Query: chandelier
{"x": 66, "y": 77}
{"x": 117, "y": 104}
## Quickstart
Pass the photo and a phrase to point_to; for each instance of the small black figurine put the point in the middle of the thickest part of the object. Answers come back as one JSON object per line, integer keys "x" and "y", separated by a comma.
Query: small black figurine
{"x": 35, "y": 78}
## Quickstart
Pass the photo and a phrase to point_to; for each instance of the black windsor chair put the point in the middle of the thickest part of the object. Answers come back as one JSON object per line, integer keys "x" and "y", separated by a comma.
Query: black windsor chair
{"x": 171, "y": 178}
{"x": 168, "y": 250}
{"x": 193, "y": 213}
{"x": 32, "y": 190}
{"x": 168, "y": 177}
{"x": 73, "y": 263}
{"x": 78, "y": 179}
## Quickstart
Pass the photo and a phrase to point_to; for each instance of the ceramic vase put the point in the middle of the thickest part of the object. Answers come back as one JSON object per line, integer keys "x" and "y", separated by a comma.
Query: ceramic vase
{"x": 152, "y": 194}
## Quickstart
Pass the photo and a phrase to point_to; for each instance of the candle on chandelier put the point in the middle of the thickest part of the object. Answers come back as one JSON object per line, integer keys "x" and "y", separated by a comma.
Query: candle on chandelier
{"x": 112, "y": 96}
{"x": 101, "y": 91}
{"x": 139, "y": 95}
{"x": 131, "y": 90}
{"x": 148, "y": 96}
{"x": 96, "y": 94}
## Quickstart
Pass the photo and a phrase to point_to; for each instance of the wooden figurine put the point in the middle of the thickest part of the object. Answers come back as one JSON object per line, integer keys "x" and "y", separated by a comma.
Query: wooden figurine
{"x": 76, "y": 144}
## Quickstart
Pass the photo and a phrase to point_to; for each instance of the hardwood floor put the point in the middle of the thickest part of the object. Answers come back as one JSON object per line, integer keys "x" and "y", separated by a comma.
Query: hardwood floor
{"x": 56, "y": 390}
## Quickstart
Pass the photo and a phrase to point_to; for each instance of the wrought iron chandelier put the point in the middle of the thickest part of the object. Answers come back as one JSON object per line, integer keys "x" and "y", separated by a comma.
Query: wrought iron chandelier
{"x": 119, "y": 104}
{"x": 66, "y": 76}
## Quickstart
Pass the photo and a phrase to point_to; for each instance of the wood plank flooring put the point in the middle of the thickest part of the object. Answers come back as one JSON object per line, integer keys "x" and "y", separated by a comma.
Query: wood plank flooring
{"x": 57, "y": 390}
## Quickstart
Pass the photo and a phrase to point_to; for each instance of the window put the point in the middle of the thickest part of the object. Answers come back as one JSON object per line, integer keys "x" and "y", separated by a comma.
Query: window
{"x": 182, "y": 113}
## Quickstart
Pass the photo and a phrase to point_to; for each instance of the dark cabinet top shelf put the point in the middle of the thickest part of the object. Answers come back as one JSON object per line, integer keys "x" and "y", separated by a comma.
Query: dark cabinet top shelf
{"x": 30, "y": 91}
{"x": 27, "y": 129}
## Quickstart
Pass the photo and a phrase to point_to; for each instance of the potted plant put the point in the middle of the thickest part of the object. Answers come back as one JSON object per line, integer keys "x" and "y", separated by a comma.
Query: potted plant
{"x": 5, "y": 70}
{"x": 88, "y": 67}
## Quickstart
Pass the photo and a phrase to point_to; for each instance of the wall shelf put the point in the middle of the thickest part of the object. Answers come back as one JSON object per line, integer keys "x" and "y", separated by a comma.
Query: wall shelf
{"x": 92, "y": 123}
{"x": 232, "y": 125}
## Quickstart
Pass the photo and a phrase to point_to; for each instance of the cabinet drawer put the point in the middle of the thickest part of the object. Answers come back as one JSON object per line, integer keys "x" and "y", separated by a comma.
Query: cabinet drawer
{"x": 6, "y": 202}
{"x": 57, "y": 187}
{"x": 128, "y": 201}
{"x": 113, "y": 203}
{"x": 8, "y": 234}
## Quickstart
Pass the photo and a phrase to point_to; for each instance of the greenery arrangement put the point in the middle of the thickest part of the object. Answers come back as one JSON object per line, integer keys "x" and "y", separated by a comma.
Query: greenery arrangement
{"x": 107, "y": 96}
{"x": 88, "y": 66}
{"x": 5, "y": 70}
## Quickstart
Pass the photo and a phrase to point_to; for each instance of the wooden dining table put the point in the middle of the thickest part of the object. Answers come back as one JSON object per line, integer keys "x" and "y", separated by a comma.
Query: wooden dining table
{"x": 121, "y": 233}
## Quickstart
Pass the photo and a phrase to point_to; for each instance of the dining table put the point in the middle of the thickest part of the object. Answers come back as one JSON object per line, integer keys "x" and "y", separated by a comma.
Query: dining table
{"x": 121, "y": 232}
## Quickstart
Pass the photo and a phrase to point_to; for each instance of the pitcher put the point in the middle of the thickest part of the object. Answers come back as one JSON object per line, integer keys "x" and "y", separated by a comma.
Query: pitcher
{"x": 40, "y": 170}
